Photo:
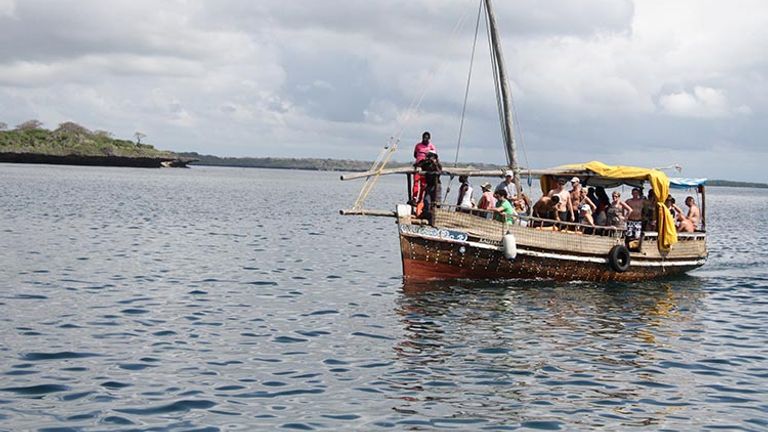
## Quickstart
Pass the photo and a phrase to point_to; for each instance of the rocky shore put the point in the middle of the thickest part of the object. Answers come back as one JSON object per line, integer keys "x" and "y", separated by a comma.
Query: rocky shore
{"x": 72, "y": 144}
{"x": 117, "y": 161}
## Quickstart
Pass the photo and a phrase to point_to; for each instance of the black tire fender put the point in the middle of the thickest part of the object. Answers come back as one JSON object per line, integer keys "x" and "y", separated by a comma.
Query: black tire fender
{"x": 618, "y": 258}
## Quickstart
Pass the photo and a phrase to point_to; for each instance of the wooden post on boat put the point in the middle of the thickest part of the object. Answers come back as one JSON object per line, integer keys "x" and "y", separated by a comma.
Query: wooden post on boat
{"x": 509, "y": 137}
{"x": 410, "y": 188}
{"x": 703, "y": 208}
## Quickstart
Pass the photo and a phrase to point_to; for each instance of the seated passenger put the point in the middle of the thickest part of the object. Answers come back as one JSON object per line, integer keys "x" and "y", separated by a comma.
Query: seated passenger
{"x": 522, "y": 203}
{"x": 505, "y": 211}
{"x": 675, "y": 211}
{"x": 694, "y": 214}
{"x": 487, "y": 201}
{"x": 585, "y": 215}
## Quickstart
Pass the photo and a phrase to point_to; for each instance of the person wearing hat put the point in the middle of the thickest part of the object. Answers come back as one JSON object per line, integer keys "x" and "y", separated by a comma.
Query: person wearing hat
{"x": 487, "y": 201}
{"x": 420, "y": 152}
{"x": 508, "y": 184}
{"x": 586, "y": 209}
{"x": 563, "y": 208}
{"x": 576, "y": 198}
{"x": 521, "y": 203}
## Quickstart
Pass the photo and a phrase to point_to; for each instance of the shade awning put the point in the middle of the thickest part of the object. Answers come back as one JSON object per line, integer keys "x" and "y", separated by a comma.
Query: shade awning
{"x": 622, "y": 173}
{"x": 686, "y": 183}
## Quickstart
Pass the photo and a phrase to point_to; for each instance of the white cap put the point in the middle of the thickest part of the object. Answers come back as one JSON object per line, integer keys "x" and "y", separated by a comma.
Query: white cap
{"x": 509, "y": 173}
{"x": 575, "y": 180}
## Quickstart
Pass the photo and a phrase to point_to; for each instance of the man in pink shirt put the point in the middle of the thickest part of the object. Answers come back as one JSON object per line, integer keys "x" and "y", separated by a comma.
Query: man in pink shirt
{"x": 420, "y": 153}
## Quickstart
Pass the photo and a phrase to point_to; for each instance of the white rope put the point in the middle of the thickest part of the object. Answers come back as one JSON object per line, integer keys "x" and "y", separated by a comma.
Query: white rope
{"x": 466, "y": 97}
{"x": 381, "y": 162}
{"x": 469, "y": 80}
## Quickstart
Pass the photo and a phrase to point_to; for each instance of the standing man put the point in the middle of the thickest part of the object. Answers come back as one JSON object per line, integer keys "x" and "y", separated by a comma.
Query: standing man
{"x": 431, "y": 171}
{"x": 635, "y": 217}
{"x": 465, "y": 193}
{"x": 508, "y": 184}
{"x": 420, "y": 151}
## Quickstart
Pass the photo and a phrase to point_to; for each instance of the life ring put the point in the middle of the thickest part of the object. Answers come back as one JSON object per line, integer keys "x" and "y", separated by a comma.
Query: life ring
{"x": 618, "y": 258}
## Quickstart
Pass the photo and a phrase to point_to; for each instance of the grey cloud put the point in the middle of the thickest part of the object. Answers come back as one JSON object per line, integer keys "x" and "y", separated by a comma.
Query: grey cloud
{"x": 334, "y": 78}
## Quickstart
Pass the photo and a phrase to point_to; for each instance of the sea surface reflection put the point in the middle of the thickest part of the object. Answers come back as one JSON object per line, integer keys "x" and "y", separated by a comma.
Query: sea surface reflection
{"x": 535, "y": 353}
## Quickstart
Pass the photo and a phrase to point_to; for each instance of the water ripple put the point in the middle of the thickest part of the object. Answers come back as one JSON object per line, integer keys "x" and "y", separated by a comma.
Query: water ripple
{"x": 175, "y": 407}
{"x": 188, "y": 304}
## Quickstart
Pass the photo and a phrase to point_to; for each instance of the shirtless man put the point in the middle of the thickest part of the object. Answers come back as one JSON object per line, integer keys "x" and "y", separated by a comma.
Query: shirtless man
{"x": 563, "y": 207}
{"x": 635, "y": 217}
{"x": 682, "y": 223}
{"x": 694, "y": 214}
{"x": 545, "y": 208}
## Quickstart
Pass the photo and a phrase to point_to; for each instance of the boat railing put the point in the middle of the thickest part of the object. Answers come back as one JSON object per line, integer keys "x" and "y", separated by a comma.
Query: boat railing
{"x": 538, "y": 223}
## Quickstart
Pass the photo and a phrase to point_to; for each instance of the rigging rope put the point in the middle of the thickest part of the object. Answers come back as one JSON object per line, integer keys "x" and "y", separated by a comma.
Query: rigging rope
{"x": 381, "y": 162}
{"x": 466, "y": 97}
{"x": 469, "y": 80}
{"x": 519, "y": 129}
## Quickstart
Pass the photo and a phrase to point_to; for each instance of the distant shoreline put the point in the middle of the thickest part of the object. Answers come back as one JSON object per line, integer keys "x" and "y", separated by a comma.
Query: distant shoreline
{"x": 73, "y": 144}
{"x": 314, "y": 164}
{"x": 110, "y": 161}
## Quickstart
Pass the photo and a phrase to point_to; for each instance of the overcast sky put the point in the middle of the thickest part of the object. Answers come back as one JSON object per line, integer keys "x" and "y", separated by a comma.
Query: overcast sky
{"x": 642, "y": 82}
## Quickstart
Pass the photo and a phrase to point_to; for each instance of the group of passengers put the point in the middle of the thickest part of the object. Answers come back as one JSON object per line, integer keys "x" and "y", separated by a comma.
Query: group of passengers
{"x": 591, "y": 207}
{"x": 587, "y": 207}
{"x": 503, "y": 200}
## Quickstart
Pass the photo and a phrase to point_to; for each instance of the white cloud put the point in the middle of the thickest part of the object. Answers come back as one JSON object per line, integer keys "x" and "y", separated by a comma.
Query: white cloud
{"x": 8, "y": 8}
{"x": 704, "y": 102}
{"x": 336, "y": 78}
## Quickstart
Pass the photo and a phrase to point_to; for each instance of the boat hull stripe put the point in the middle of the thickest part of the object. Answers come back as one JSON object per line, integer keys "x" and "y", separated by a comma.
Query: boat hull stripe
{"x": 635, "y": 261}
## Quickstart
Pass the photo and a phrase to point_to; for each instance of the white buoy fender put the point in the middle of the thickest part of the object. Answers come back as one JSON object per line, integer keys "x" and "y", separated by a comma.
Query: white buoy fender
{"x": 510, "y": 246}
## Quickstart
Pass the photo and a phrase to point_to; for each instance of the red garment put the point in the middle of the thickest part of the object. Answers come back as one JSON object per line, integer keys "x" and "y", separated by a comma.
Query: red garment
{"x": 419, "y": 186}
{"x": 420, "y": 151}
{"x": 487, "y": 201}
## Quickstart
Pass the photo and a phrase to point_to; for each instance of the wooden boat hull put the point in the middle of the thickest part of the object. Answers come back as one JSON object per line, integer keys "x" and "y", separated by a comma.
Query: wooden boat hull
{"x": 426, "y": 258}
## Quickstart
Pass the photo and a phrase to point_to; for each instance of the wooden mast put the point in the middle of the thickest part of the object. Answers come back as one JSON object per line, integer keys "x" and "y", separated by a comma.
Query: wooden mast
{"x": 509, "y": 136}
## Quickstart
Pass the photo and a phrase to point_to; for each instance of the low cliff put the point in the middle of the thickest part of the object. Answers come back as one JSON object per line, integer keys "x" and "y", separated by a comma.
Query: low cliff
{"x": 72, "y": 144}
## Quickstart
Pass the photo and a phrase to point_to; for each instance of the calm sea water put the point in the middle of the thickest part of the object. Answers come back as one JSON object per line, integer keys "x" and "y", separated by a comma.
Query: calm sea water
{"x": 218, "y": 299}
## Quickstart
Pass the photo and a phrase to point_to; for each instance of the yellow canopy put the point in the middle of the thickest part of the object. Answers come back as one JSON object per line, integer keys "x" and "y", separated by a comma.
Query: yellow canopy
{"x": 659, "y": 182}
